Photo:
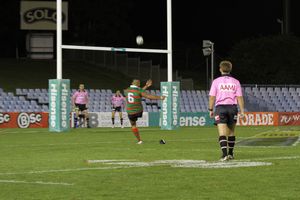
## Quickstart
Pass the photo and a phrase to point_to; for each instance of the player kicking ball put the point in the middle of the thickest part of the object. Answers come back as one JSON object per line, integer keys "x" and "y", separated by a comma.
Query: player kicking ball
{"x": 134, "y": 105}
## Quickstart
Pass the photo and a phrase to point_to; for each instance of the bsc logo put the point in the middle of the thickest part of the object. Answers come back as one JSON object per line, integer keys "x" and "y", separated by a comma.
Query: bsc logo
{"x": 24, "y": 119}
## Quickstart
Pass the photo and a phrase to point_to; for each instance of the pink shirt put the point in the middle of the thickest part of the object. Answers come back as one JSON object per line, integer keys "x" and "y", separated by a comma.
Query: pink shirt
{"x": 80, "y": 97}
{"x": 226, "y": 89}
{"x": 117, "y": 101}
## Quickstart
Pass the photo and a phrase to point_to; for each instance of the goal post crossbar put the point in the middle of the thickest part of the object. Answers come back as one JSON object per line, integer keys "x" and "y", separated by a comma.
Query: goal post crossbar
{"x": 60, "y": 46}
{"x": 120, "y": 49}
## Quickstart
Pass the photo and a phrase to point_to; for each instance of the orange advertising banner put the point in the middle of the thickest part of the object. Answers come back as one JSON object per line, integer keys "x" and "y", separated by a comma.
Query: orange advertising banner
{"x": 289, "y": 119}
{"x": 23, "y": 120}
{"x": 258, "y": 119}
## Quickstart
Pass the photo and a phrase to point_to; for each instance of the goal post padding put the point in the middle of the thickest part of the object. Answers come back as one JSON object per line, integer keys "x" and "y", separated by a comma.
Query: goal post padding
{"x": 170, "y": 113}
{"x": 59, "y": 105}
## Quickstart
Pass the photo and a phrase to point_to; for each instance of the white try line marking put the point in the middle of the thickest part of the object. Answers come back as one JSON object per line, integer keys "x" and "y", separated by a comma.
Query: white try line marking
{"x": 297, "y": 142}
{"x": 36, "y": 182}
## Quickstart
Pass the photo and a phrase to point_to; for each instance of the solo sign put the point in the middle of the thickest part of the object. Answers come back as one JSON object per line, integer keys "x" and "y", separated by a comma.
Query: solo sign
{"x": 41, "y": 15}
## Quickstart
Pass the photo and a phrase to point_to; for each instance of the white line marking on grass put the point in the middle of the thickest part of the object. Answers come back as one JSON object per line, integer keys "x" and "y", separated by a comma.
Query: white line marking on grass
{"x": 297, "y": 142}
{"x": 107, "y": 161}
{"x": 36, "y": 182}
{"x": 273, "y": 158}
{"x": 190, "y": 164}
{"x": 62, "y": 170}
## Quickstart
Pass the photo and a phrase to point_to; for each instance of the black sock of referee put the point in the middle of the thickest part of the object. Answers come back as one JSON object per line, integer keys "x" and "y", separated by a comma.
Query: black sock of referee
{"x": 223, "y": 145}
{"x": 231, "y": 143}
{"x": 75, "y": 121}
{"x": 87, "y": 122}
{"x": 113, "y": 120}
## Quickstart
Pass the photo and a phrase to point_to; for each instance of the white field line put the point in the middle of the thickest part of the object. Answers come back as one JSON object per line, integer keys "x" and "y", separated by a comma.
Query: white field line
{"x": 297, "y": 142}
{"x": 2, "y": 132}
{"x": 62, "y": 170}
{"x": 272, "y": 158}
{"x": 36, "y": 182}
{"x": 130, "y": 163}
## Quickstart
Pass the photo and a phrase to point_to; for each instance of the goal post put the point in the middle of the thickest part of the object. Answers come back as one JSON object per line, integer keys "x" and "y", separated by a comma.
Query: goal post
{"x": 60, "y": 47}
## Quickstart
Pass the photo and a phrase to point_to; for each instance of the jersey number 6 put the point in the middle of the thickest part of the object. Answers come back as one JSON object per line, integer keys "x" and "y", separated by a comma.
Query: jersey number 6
{"x": 130, "y": 97}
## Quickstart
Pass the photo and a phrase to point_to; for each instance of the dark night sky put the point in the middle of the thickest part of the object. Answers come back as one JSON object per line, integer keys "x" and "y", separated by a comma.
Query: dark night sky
{"x": 223, "y": 22}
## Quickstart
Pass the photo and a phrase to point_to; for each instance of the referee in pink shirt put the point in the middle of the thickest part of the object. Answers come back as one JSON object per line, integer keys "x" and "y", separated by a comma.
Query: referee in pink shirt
{"x": 80, "y": 100}
{"x": 117, "y": 102}
{"x": 225, "y": 93}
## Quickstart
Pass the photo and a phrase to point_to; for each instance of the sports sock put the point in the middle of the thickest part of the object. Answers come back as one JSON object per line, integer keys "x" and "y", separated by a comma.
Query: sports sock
{"x": 136, "y": 133}
{"x": 113, "y": 121}
{"x": 75, "y": 121}
{"x": 87, "y": 122}
{"x": 121, "y": 121}
{"x": 223, "y": 145}
{"x": 231, "y": 143}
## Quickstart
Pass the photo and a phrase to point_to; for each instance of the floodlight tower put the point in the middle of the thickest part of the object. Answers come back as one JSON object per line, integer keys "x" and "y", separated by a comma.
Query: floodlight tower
{"x": 208, "y": 49}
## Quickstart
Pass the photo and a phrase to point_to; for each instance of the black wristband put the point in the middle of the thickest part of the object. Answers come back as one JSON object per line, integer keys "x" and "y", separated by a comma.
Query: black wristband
{"x": 210, "y": 109}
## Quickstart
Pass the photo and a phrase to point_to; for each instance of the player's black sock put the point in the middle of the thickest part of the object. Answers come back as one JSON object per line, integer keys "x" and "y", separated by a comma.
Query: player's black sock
{"x": 231, "y": 143}
{"x": 87, "y": 122}
{"x": 223, "y": 145}
{"x": 75, "y": 122}
{"x": 121, "y": 121}
{"x": 113, "y": 120}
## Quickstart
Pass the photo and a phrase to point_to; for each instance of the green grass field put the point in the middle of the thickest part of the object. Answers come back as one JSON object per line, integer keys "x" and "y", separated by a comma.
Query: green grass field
{"x": 37, "y": 164}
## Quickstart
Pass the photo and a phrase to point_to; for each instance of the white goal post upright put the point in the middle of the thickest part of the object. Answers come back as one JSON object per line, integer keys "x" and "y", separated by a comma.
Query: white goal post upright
{"x": 59, "y": 45}
{"x": 167, "y": 92}
{"x": 59, "y": 39}
{"x": 169, "y": 33}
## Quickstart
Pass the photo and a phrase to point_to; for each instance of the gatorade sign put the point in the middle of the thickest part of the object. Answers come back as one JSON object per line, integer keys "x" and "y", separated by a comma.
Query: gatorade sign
{"x": 170, "y": 106}
{"x": 259, "y": 119}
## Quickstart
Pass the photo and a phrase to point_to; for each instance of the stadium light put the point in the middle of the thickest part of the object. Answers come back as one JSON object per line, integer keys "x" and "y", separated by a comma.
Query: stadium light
{"x": 208, "y": 49}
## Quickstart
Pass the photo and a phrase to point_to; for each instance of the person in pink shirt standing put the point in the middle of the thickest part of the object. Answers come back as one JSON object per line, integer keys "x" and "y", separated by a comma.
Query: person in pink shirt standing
{"x": 117, "y": 102}
{"x": 80, "y": 102}
{"x": 225, "y": 93}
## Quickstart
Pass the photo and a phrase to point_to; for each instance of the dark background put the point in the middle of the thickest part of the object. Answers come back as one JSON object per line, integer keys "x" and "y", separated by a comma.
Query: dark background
{"x": 117, "y": 22}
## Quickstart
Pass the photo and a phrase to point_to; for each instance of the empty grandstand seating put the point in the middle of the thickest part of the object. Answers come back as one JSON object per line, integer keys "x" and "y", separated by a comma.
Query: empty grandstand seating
{"x": 282, "y": 99}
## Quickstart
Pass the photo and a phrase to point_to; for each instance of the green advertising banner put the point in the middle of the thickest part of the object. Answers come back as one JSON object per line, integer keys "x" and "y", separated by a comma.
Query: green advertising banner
{"x": 169, "y": 114}
{"x": 59, "y": 105}
{"x": 185, "y": 119}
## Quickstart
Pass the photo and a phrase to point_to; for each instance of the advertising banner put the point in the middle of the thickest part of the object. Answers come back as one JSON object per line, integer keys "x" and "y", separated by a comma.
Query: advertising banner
{"x": 170, "y": 106}
{"x": 41, "y": 15}
{"x": 23, "y": 120}
{"x": 185, "y": 119}
{"x": 103, "y": 119}
{"x": 289, "y": 119}
{"x": 59, "y": 105}
{"x": 259, "y": 119}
